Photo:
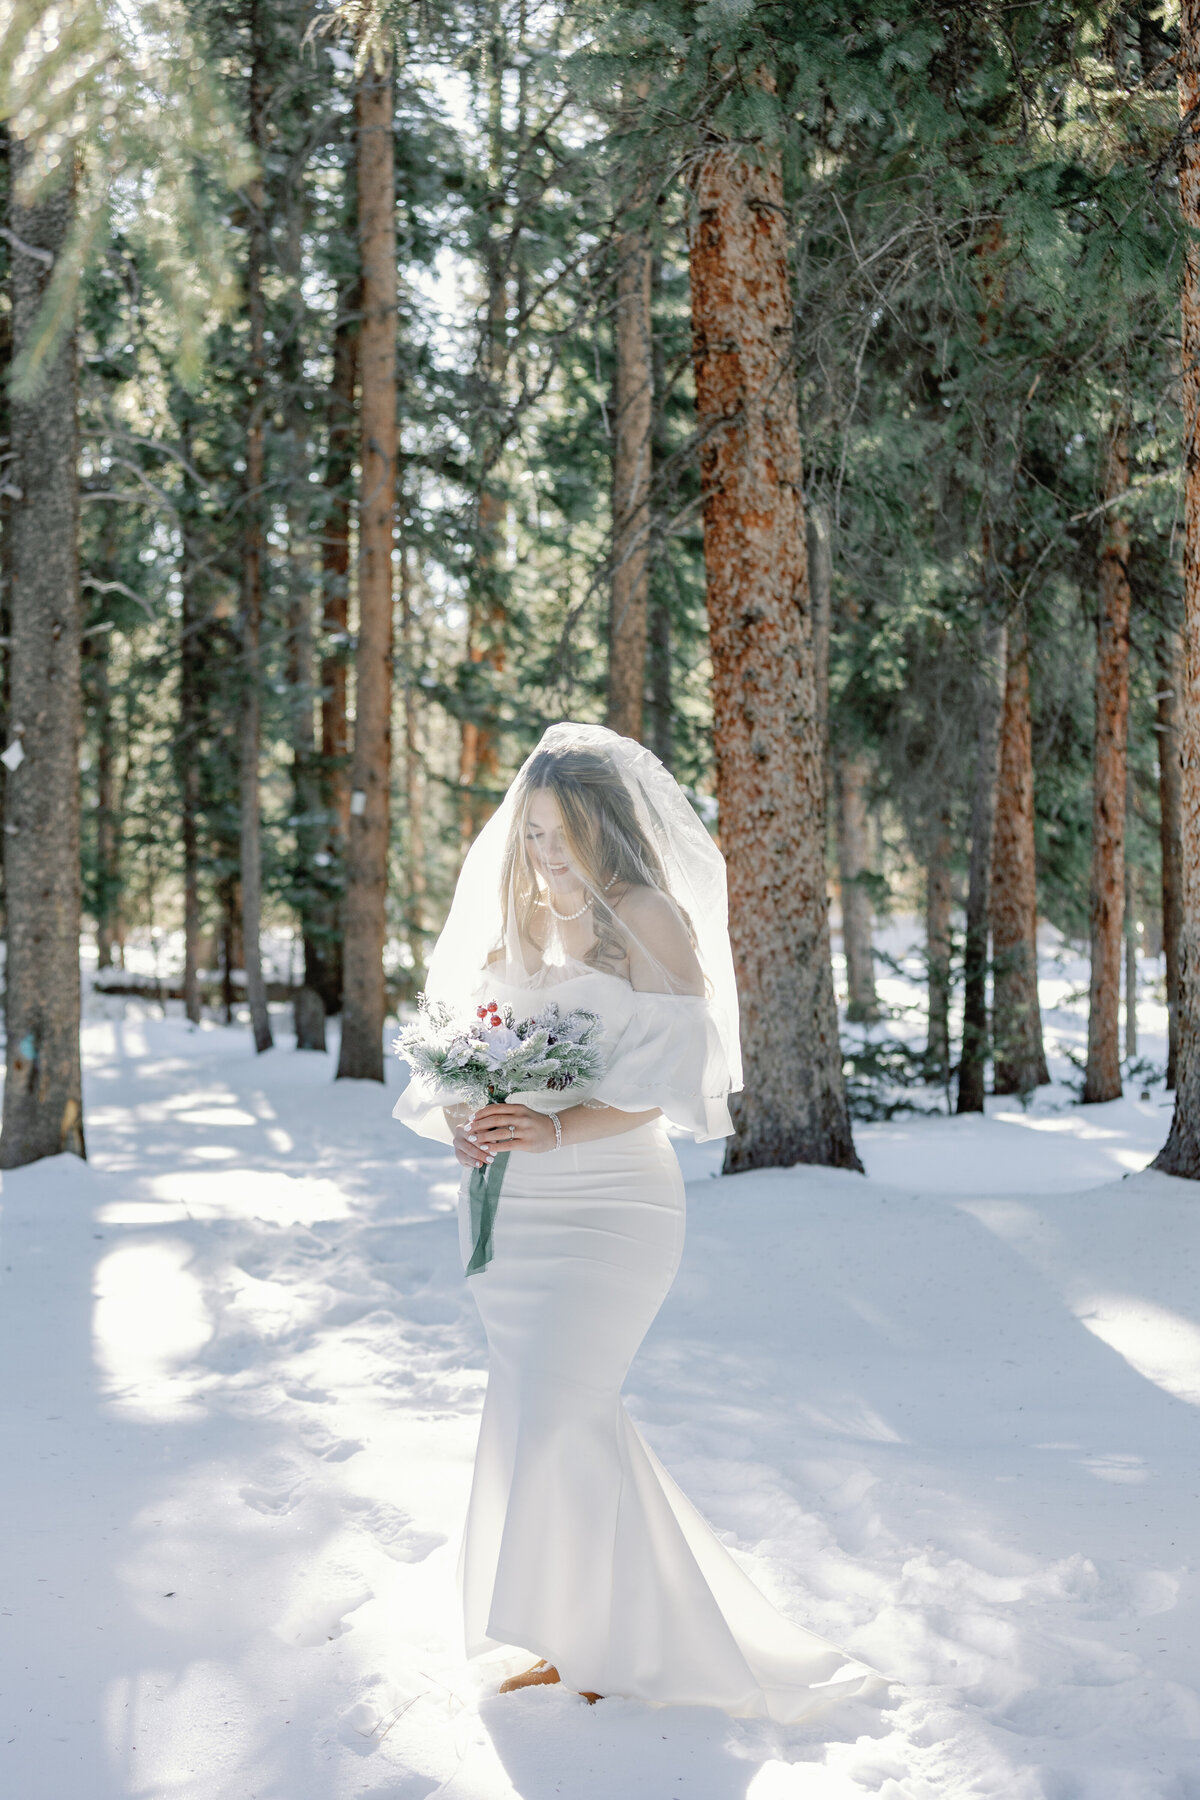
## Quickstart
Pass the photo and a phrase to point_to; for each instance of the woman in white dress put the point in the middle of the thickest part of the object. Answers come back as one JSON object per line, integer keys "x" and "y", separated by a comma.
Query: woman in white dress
{"x": 596, "y": 885}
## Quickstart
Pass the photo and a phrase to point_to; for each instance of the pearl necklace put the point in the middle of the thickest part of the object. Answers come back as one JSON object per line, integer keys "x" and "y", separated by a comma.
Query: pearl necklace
{"x": 565, "y": 918}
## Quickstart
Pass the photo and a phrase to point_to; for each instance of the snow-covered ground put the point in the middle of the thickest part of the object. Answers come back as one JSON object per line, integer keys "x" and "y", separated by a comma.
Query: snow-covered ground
{"x": 948, "y": 1414}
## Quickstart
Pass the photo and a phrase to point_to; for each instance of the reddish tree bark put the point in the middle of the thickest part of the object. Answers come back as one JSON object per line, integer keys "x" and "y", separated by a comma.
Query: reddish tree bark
{"x": 766, "y": 734}
{"x": 365, "y": 910}
{"x": 1102, "y": 1080}
{"x": 1019, "y": 1059}
{"x": 486, "y": 614}
{"x": 478, "y": 760}
{"x": 632, "y": 431}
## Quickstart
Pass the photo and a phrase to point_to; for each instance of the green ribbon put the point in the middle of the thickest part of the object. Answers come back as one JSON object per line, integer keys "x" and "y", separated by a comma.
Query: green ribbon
{"x": 485, "y": 1195}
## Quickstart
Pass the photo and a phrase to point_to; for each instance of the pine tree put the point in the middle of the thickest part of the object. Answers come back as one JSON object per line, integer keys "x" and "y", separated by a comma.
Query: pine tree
{"x": 325, "y": 973}
{"x": 1102, "y": 1080}
{"x": 1169, "y": 658}
{"x": 850, "y": 777}
{"x": 254, "y": 551}
{"x": 939, "y": 904}
{"x": 188, "y": 743}
{"x": 43, "y": 1104}
{"x": 770, "y": 774}
{"x": 632, "y": 446}
{"x": 972, "y": 1067}
{"x": 1180, "y": 1154}
{"x": 1020, "y": 1062}
{"x": 365, "y": 907}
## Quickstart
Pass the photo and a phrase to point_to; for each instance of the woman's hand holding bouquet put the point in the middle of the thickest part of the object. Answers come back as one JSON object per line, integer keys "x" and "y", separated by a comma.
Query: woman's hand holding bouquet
{"x": 477, "y": 1067}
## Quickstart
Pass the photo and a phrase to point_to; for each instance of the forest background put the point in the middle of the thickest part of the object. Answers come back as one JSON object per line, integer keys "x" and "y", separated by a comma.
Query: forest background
{"x": 802, "y": 390}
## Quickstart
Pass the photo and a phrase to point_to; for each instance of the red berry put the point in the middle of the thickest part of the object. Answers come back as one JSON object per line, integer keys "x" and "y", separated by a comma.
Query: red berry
{"x": 481, "y": 1012}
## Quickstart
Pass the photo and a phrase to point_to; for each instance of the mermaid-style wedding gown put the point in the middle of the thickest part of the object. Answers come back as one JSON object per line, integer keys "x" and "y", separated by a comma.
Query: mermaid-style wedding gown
{"x": 579, "y": 1547}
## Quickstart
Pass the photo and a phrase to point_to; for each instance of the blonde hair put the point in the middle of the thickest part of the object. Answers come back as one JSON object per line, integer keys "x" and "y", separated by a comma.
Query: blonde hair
{"x": 605, "y": 839}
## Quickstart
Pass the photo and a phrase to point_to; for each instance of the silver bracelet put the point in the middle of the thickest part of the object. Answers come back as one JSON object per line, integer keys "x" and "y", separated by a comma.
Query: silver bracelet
{"x": 553, "y": 1118}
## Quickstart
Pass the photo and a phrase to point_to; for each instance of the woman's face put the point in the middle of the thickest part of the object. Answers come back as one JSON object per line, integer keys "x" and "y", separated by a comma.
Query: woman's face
{"x": 546, "y": 845}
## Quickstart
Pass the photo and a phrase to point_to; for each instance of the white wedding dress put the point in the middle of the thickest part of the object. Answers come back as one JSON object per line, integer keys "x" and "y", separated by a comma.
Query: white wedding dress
{"x": 578, "y": 1546}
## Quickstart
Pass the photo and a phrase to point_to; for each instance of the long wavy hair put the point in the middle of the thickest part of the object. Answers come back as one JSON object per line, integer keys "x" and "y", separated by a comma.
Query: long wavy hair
{"x": 605, "y": 840}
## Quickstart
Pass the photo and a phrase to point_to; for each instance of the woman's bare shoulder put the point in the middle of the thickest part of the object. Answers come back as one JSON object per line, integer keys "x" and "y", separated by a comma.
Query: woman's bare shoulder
{"x": 660, "y": 940}
{"x": 647, "y": 906}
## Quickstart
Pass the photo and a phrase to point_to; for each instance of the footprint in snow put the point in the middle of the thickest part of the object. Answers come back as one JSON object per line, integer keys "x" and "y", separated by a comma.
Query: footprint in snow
{"x": 392, "y": 1530}
{"x": 329, "y": 1447}
{"x": 316, "y": 1618}
{"x": 276, "y": 1489}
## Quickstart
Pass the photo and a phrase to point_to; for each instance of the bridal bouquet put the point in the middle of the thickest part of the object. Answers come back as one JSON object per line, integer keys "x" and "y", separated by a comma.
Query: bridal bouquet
{"x": 490, "y": 1058}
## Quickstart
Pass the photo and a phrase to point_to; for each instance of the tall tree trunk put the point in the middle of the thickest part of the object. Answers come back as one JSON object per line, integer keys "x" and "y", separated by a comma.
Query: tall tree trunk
{"x": 939, "y": 903}
{"x": 661, "y": 728}
{"x": 632, "y": 424}
{"x": 844, "y": 775}
{"x": 253, "y": 555}
{"x": 850, "y": 775}
{"x": 324, "y": 972}
{"x": 766, "y": 739}
{"x": 661, "y": 731}
{"x": 307, "y": 885}
{"x": 191, "y": 709}
{"x": 1102, "y": 1080}
{"x": 1131, "y": 962}
{"x": 478, "y": 759}
{"x": 486, "y": 610}
{"x": 229, "y": 956}
{"x": 661, "y": 576}
{"x": 191, "y": 892}
{"x": 107, "y": 821}
{"x": 1020, "y": 1062}
{"x": 309, "y": 1014}
{"x": 414, "y": 796}
{"x": 8, "y": 491}
{"x": 43, "y": 1100}
{"x": 972, "y": 1070}
{"x": 365, "y": 913}
{"x": 122, "y": 757}
{"x": 820, "y": 581}
{"x": 1170, "y": 808}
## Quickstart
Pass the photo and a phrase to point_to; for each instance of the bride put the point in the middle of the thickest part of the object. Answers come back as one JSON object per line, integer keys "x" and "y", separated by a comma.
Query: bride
{"x": 596, "y": 885}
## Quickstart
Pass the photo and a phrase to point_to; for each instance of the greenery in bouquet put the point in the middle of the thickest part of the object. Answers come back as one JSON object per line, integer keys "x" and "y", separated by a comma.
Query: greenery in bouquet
{"x": 496, "y": 1054}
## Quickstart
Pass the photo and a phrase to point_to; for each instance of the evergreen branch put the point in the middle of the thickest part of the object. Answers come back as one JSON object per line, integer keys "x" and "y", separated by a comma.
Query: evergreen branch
{"x": 19, "y": 244}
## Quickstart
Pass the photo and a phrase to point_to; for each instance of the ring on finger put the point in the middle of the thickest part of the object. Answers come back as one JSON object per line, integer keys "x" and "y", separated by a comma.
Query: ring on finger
{"x": 512, "y": 1131}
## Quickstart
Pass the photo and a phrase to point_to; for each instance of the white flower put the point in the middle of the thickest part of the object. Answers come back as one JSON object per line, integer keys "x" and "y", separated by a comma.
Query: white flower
{"x": 497, "y": 1044}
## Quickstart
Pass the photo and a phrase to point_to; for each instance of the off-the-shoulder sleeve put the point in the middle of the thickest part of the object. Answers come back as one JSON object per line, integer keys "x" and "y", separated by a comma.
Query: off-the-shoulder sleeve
{"x": 420, "y": 1108}
{"x": 669, "y": 1055}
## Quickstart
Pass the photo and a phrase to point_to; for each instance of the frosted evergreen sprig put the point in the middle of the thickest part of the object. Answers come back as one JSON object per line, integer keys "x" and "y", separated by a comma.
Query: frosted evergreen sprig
{"x": 496, "y": 1054}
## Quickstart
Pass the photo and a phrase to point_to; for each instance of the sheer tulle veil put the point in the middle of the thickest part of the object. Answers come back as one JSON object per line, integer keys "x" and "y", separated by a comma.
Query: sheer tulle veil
{"x": 636, "y": 836}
